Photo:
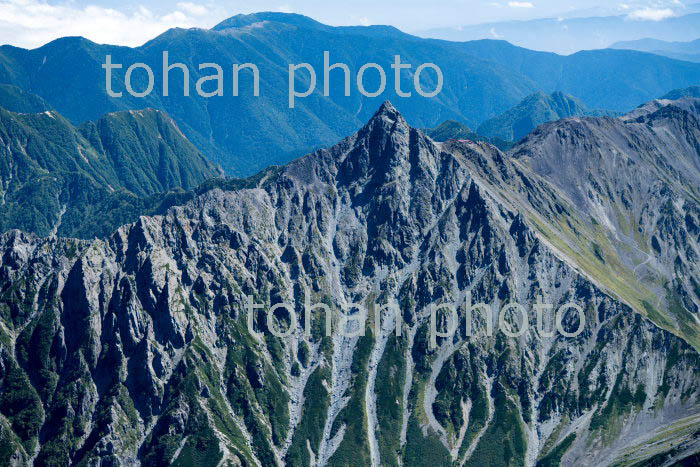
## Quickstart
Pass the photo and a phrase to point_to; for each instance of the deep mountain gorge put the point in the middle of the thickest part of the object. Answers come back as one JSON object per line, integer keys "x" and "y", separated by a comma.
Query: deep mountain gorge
{"x": 134, "y": 349}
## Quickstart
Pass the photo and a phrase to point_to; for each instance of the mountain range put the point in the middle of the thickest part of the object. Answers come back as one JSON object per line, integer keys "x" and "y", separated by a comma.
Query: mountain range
{"x": 533, "y": 111}
{"x": 689, "y": 51}
{"x": 142, "y": 291}
{"x": 568, "y": 35}
{"x": 134, "y": 348}
{"x": 245, "y": 134}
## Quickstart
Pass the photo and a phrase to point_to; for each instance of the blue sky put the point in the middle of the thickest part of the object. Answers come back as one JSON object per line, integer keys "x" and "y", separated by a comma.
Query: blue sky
{"x": 30, "y": 23}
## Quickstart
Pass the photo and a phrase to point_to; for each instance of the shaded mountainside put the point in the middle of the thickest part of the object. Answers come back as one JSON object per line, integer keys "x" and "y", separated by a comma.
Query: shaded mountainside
{"x": 245, "y": 133}
{"x": 134, "y": 349}
{"x": 692, "y": 91}
{"x": 450, "y": 129}
{"x": 533, "y": 111}
{"x": 87, "y": 181}
{"x": 15, "y": 99}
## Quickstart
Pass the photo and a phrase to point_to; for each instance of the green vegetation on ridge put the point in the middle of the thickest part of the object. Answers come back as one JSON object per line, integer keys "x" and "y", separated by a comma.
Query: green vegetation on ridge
{"x": 87, "y": 181}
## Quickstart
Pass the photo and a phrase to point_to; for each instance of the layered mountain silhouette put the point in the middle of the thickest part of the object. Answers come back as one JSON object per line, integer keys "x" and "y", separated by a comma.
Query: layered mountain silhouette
{"x": 533, "y": 111}
{"x": 568, "y": 35}
{"x": 680, "y": 50}
{"x": 692, "y": 91}
{"x": 86, "y": 181}
{"x": 245, "y": 134}
{"x": 135, "y": 348}
{"x": 452, "y": 130}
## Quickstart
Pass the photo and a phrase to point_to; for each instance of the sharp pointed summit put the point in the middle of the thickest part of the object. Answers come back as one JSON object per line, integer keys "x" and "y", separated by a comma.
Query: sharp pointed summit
{"x": 388, "y": 118}
{"x": 387, "y": 108}
{"x": 384, "y": 149}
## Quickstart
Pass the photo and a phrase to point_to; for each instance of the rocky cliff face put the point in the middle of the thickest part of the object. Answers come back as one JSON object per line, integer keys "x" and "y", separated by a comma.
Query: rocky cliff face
{"x": 135, "y": 349}
{"x": 633, "y": 184}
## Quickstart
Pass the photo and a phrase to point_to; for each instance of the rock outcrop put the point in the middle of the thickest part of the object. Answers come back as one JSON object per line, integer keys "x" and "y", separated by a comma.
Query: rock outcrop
{"x": 134, "y": 349}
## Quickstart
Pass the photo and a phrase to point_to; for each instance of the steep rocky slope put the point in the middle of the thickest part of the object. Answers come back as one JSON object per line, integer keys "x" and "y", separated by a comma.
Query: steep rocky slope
{"x": 134, "y": 349}
{"x": 633, "y": 185}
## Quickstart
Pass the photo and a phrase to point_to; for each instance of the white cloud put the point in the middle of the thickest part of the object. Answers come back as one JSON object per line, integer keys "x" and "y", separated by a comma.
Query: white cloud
{"x": 520, "y": 4}
{"x": 353, "y": 20}
{"x": 31, "y": 23}
{"x": 651, "y": 14}
{"x": 286, "y": 8}
{"x": 494, "y": 34}
{"x": 193, "y": 8}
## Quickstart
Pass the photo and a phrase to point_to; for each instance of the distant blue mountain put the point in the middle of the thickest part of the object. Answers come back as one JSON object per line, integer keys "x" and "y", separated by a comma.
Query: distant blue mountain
{"x": 482, "y": 79}
{"x": 569, "y": 35}
{"x": 680, "y": 50}
{"x": 533, "y": 111}
{"x": 692, "y": 91}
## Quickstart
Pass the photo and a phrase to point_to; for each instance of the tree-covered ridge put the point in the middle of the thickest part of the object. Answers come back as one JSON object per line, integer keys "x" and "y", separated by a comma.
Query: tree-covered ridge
{"x": 533, "y": 111}
{"x": 57, "y": 178}
{"x": 16, "y": 99}
{"x": 451, "y": 129}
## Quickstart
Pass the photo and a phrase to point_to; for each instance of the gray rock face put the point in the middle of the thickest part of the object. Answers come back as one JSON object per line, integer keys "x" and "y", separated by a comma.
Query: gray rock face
{"x": 134, "y": 349}
{"x": 633, "y": 182}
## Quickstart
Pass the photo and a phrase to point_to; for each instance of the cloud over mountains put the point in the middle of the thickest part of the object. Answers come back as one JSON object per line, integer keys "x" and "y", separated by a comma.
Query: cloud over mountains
{"x": 31, "y": 23}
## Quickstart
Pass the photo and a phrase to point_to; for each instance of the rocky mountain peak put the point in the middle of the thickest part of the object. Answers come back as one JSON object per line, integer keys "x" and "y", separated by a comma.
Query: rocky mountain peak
{"x": 387, "y": 119}
{"x": 387, "y": 109}
{"x": 381, "y": 145}
{"x": 136, "y": 350}
{"x": 645, "y": 111}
